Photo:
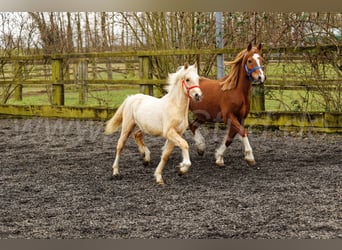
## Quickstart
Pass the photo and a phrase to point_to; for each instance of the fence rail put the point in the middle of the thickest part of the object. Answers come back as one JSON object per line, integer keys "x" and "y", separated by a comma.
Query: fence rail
{"x": 327, "y": 122}
{"x": 60, "y": 70}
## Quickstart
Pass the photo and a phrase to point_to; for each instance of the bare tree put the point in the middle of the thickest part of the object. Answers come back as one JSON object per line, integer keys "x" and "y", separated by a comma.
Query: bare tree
{"x": 17, "y": 37}
{"x": 64, "y": 32}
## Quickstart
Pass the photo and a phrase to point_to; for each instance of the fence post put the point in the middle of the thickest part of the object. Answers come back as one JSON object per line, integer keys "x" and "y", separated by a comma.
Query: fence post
{"x": 18, "y": 77}
{"x": 258, "y": 98}
{"x": 219, "y": 44}
{"x": 145, "y": 73}
{"x": 82, "y": 78}
{"x": 57, "y": 78}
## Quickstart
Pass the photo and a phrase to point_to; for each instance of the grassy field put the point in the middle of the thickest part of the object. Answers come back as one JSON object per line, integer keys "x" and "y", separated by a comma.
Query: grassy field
{"x": 299, "y": 71}
{"x": 294, "y": 100}
{"x": 275, "y": 100}
{"x": 108, "y": 97}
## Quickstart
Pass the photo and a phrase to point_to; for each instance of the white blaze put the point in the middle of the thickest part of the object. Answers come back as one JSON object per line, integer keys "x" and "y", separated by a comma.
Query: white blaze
{"x": 256, "y": 58}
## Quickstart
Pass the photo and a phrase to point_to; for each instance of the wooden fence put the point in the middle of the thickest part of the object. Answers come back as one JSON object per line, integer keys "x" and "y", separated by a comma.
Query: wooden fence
{"x": 55, "y": 64}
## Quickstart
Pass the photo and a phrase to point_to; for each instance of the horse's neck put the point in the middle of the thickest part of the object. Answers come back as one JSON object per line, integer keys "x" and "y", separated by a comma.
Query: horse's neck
{"x": 244, "y": 85}
{"x": 177, "y": 97}
{"x": 178, "y": 100}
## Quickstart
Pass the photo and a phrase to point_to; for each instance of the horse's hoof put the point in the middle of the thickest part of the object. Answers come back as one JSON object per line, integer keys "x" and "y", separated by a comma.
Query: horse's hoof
{"x": 251, "y": 162}
{"x": 200, "y": 152}
{"x": 220, "y": 164}
{"x": 180, "y": 173}
{"x": 145, "y": 163}
{"x": 116, "y": 177}
{"x": 182, "y": 170}
{"x": 160, "y": 183}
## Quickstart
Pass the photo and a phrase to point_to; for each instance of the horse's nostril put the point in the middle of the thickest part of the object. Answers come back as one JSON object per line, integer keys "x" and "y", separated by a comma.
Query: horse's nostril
{"x": 197, "y": 97}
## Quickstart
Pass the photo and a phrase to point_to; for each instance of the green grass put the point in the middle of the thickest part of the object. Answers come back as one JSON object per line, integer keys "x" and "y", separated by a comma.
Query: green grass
{"x": 105, "y": 97}
{"x": 301, "y": 100}
{"x": 299, "y": 71}
{"x": 294, "y": 100}
{"x": 275, "y": 100}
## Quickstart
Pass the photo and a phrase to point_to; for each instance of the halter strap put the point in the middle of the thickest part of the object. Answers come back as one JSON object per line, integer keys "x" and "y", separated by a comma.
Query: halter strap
{"x": 188, "y": 88}
{"x": 249, "y": 72}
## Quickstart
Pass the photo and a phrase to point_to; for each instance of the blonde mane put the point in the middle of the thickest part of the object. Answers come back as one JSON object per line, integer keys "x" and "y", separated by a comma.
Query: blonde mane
{"x": 180, "y": 73}
{"x": 173, "y": 79}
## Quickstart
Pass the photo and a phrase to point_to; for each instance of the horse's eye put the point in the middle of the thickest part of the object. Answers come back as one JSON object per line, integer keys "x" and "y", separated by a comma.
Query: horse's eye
{"x": 249, "y": 61}
{"x": 187, "y": 80}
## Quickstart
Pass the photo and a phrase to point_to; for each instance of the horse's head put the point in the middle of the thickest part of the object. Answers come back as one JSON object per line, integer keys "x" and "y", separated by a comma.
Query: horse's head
{"x": 254, "y": 64}
{"x": 248, "y": 61}
{"x": 190, "y": 81}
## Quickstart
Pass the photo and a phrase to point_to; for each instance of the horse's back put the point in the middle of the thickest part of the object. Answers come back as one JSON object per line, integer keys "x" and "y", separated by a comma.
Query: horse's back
{"x": 139, "y": 100}
{"x": 147, "y": 113}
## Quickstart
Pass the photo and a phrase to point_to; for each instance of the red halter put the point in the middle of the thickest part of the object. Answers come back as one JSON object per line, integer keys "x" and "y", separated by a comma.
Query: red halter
{"x": 188, "y": 88}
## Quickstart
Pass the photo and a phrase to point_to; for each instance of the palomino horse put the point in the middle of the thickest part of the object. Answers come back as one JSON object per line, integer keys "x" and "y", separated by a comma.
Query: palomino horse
{"x": 166, "y": 116}
{"x": 228, "y": 100}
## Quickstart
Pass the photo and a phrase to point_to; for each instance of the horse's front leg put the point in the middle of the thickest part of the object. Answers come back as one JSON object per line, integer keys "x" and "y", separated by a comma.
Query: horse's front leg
{"x": 184, "y": 166}
{"x": 234, "y": 127}
{"x": 167, "y": 149}
{"x": 228, "y": 139}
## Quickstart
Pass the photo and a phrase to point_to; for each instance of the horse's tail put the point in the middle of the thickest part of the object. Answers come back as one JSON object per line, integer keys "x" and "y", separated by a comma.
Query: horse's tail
{"x": 115, "y": 122}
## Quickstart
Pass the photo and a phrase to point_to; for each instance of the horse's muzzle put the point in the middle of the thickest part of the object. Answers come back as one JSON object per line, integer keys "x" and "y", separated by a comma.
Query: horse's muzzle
{"x": 260, "y": 79}
{"x": 198, "y": 97}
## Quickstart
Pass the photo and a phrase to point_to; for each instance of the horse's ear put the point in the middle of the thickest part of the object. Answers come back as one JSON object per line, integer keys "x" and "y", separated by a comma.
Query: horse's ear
{"x": 259, "y": 47}
{"x": 186, "y": 65}
{"x": 249, "y": 47}
{"x": 195, "y": 65}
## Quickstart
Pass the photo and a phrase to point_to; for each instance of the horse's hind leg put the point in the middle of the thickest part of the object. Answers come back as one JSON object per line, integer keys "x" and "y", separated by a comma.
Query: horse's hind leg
{"x": 219, "y": 154}
{"x": 144, "y": 151}
{"x": 249, "y": 157}
{"x": 167, "y": 149}
{"x": 127, "y": 127}
{"x": 198, "y": 137}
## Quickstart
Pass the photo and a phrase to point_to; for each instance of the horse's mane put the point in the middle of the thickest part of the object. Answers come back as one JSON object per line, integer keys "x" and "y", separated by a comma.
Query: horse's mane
{"x": 172, "y": 79}
{"x": 233, "y": 77}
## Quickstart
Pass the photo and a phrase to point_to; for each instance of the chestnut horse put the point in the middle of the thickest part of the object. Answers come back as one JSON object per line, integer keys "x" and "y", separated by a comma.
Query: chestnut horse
{"x": 227, "y": 100}
{"x": 166, "y": 117}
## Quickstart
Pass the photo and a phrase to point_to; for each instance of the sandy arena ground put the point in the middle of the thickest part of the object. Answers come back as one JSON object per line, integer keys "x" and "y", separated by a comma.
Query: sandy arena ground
{"x": 55, "y": 183}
